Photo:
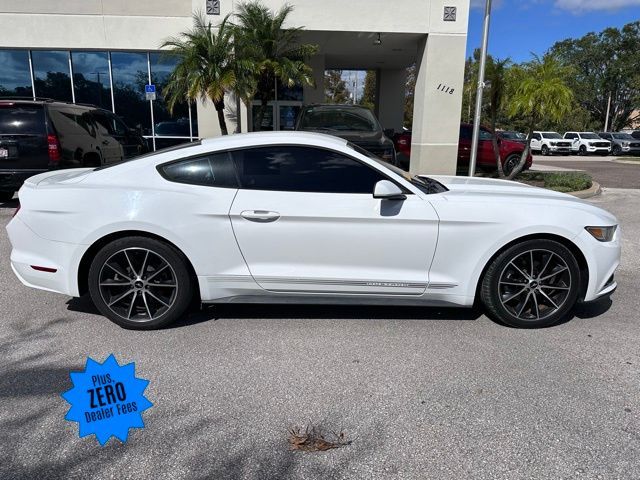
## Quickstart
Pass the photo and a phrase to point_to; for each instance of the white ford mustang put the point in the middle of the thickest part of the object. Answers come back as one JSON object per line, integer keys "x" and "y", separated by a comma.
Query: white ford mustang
{"x": 300, "y": 217}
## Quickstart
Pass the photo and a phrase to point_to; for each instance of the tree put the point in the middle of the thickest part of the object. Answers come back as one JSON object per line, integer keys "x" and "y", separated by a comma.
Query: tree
{"x": 273, "y": 53}
{"x": 409, "y": 95}
{"x": 207, "y": 67}
{"x": 335, "y": 88}
{"x": 606, "y": 73}
{"x": 538, "y": 91}
{"x": 496, "y": 74}
{"x": 368, "y": 98}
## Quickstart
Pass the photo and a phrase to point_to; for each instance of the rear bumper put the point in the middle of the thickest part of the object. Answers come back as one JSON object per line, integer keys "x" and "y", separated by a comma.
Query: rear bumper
{"x": 12, "y": 180}
{"x": 29, "y": 250}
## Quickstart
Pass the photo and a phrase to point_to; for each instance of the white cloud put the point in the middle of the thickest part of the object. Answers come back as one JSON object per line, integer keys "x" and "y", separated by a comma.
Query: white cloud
{"x": 580, "y": 6}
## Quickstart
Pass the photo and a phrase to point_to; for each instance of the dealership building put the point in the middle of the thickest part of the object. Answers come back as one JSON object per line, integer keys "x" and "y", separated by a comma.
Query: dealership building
{"x": 104, "y": 52}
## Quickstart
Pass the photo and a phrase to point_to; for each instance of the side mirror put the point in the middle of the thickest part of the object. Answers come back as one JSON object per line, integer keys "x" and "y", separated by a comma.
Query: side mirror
{"x": 389, "y": 132}
{"x": 388, "y": 190}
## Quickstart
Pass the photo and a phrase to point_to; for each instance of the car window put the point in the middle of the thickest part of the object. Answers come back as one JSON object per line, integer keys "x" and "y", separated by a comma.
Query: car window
{"x": 551, "y": 135}
{"x": 109, "y": 124}
{"x": 622, "y": 136}
{"x": 570, "y": 135}
{"x": 213, "y": 170}
{"x": 303, "y": 169}
{"x": 536, "y": 136}
{"x": 71, "y": 121}
{"x": 339, "y": 119}
{"x": 484, "y": 135}
{"x": 589, "y": 136}
{"x": 23, "y": 119}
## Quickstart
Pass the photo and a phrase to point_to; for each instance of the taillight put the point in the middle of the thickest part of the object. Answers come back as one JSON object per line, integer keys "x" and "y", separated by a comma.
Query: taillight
{"x": 54, "y": 148}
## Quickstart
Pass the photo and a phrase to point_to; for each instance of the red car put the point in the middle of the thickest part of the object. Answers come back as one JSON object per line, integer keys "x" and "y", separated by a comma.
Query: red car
{"x": 510, "y": 150}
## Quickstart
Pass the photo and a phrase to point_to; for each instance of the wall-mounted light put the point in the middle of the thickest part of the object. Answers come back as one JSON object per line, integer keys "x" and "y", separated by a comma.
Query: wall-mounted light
{"x": 378, "y": 40}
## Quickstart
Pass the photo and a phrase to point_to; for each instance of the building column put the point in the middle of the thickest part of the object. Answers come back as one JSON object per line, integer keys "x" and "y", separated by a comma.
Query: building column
{"x": 437, "y": 104}
{"x": 391, "y": 96}
{"x": 315, "y": 94}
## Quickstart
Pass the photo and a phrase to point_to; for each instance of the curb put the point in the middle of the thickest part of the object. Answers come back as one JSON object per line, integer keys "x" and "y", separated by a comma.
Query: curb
{"x": 627, "y": 162}
{"x": 589, "y": 192}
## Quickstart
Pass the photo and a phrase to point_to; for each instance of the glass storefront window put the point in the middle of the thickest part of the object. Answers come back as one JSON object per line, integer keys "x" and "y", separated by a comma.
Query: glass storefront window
{"x": 91, "y": 82}
{"x": 130, "y": 75}
{"x": 15, "y": 79}
{"x": 51, "y": 74}
{"x": 167, "y": 124}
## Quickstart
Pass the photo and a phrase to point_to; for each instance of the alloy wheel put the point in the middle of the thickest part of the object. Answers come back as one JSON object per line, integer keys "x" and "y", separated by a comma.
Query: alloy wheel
{"x": 534, "y": 284}
{"x": 138, "y": 284}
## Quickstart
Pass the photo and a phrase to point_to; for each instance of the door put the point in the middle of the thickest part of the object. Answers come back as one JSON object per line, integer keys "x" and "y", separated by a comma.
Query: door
{"x": 486, "y": 155}
{"x": 280, "y": 115}
{"x": 536, "y": 143}
{"x": 306, "y": 221}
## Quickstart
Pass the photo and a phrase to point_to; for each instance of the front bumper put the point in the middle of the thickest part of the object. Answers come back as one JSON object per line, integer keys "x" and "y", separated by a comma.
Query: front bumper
{"x": 598, "y": 149}
{"x": 602, "y": 260}
{"x": 557, "y": 149}
{"x": 29, "y": 250}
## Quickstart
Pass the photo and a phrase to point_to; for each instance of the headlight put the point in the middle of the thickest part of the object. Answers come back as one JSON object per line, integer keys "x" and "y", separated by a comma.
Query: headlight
{"x": 590, "y": 144}
{"x": 602, "y": 234}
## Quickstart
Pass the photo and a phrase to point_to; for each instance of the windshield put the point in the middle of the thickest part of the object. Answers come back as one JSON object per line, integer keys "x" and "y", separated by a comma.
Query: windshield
{"x": 339, "y": 119}
{"x": 427, "y": 185}
{"x": 622, "y": 136}
{"x": 551, "y": 135}
{"x": 590, "y": 136}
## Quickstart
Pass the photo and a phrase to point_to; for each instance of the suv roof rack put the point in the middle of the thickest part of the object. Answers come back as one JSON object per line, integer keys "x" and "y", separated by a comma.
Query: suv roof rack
{"x": 36, "y": 99}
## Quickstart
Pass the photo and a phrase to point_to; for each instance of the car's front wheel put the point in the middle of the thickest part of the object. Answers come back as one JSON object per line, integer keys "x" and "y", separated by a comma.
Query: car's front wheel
{"x": 616, "y": 150}
{"x": 582, "y": 150}
{"x": 545, "y": 150}
{"x": 531, "y": 284}
{"x": 140, "y": 283}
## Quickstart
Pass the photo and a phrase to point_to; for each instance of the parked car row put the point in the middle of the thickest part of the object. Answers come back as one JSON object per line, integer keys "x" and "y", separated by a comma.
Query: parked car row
{"x": 510, "y": 146}
{"x": 41, "y": 135}
{"x": 584, "y": 143}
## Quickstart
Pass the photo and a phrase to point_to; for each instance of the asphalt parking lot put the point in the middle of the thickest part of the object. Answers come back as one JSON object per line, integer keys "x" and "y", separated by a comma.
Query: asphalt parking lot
{"x": 604, "y": 170}
{"x": 423, "y": 393}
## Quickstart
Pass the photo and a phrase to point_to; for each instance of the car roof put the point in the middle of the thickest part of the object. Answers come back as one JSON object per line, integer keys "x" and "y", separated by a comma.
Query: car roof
{"x": 271, "y": 138}
{"x": 45, "y": 101}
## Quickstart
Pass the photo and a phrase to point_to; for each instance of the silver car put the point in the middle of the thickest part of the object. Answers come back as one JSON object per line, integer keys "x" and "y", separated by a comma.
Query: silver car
{"x": 622, "y": 143}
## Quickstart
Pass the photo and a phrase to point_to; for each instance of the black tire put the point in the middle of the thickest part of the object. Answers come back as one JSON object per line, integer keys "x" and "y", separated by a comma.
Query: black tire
{"x": 616, "y": 151}
{"x": 545, "y": 150}
{"x": 510, "y": 163}
{"x": 149, "y": 274}
{"x": 512, "y": 299}
{"x": 582, "y": 151}
{"x": 6, "y": 196}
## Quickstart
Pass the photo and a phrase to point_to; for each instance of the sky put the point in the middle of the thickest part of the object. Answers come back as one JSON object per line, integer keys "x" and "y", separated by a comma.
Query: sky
{"x": 519, "y": 27}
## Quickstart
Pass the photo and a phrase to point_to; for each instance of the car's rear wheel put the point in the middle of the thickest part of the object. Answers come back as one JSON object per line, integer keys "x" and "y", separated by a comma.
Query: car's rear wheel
{"x": 6, "y": 196}
{"x": 531, "y": 284}
{"x": 545, "y": 150}
{"x": 140, "y": 283}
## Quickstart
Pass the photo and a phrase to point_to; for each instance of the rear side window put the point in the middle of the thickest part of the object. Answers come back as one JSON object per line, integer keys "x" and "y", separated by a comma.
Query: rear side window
{"x": 71, "y": 121}
{"x": 213, "y": 170}
{"x": 22, "y": 120}
{"x": 303, "y": 169}
{"x": 465, "y": 132}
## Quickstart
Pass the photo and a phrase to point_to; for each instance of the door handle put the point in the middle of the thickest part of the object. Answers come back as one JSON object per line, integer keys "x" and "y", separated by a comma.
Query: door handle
{"x": 262, "y": 216}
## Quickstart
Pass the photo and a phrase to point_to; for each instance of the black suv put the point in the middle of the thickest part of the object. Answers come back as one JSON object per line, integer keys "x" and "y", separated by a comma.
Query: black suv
{"x": 354, "y": 123}
{"x": 41, "y": 135}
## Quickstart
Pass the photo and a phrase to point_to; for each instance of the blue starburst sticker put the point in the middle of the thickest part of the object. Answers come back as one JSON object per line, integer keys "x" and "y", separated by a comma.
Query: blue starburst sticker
{"x": 107, "y": 399}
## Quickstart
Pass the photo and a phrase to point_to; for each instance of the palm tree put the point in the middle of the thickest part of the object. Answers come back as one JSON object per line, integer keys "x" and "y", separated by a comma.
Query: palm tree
{"x": 273, "y": 53}
{"x": 496, "y": 77}
{"x": 207, "y": 68}
{"x": 539, "y": 92}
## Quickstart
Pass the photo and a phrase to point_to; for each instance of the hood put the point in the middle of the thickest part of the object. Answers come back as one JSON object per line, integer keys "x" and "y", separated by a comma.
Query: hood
{"x": 502, "y": 192}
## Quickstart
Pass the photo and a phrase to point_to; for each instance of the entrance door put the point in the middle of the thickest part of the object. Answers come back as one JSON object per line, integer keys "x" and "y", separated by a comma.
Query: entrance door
{"x": 280, "y": 115}
{"x": 306, "y": 221}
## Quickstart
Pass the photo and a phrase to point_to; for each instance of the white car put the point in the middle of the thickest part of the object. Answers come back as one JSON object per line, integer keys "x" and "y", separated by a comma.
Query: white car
{"x": 301, "y": 217}
{"x": 588, "y": 142}
{"x": 548, "y": 143}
